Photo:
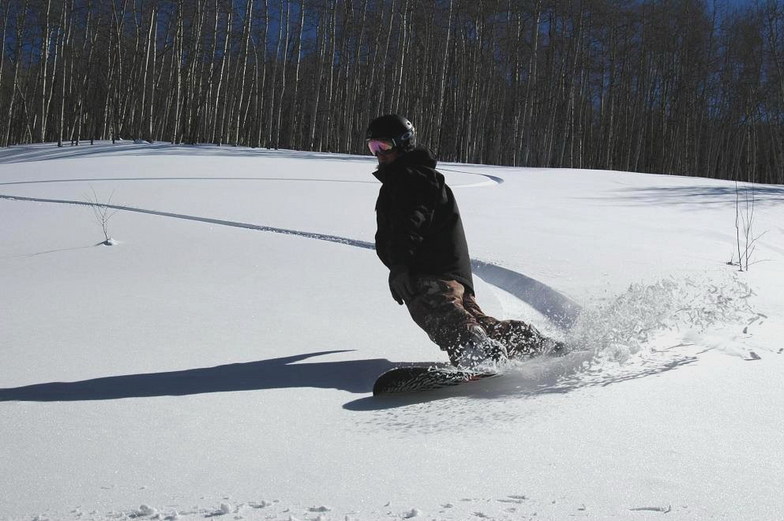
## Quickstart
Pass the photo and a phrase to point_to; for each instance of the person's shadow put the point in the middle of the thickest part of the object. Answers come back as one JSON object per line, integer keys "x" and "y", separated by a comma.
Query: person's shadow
{"x": 356, "y": 376}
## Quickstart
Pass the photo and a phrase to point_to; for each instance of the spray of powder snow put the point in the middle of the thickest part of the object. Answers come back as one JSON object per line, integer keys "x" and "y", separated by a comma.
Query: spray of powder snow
{"x": 657, "y": 327}
{"x": 645, "y": 331}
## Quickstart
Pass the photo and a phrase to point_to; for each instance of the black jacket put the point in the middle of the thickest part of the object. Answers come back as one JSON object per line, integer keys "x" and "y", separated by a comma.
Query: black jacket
{"x": 419, "y": 224}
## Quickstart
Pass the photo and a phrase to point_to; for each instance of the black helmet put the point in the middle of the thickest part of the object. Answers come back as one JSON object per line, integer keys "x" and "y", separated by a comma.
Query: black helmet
{"x": 394, "y": 127}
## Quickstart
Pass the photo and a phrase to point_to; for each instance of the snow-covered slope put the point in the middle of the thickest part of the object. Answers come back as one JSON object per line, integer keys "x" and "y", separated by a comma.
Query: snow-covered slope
{"x": 218, "y": 360}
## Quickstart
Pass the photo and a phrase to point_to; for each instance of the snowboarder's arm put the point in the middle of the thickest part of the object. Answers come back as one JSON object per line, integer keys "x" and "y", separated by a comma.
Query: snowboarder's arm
{"x": 416, "y": 203}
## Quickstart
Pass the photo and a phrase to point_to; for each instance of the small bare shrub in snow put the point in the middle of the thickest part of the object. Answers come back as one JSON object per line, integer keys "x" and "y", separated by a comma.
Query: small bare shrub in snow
{"x": 745, "y": 202}
{"x": 102, "y": 213}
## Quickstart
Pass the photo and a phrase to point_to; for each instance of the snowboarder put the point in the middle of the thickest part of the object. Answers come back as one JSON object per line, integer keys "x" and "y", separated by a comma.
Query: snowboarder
{"x": 420, "y": 238}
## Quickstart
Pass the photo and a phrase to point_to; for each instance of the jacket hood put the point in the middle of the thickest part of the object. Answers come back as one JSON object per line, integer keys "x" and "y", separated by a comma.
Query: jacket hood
{"x": 420, "y": 156}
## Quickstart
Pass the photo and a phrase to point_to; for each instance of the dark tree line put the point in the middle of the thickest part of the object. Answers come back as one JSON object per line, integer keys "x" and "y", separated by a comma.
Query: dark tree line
{"x": 690, "y": 87}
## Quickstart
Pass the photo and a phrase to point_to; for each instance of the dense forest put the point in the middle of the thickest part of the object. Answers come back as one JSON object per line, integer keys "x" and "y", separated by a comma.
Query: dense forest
{"x": 691, "y": 87}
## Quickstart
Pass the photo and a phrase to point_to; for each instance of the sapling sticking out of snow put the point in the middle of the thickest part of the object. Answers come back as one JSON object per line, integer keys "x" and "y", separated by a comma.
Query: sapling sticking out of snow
{"x": 103, "y": 213}
{"x": 745, "y": 202}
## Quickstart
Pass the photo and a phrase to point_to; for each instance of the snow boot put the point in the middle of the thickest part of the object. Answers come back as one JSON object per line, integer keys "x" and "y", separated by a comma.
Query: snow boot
{"x": 525, "y": 341}
{"x": 480, "y": 352}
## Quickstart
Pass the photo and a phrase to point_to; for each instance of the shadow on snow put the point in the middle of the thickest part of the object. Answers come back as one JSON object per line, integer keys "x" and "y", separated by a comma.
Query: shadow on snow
{"x": 355, "y": 376}
{"x": 702, "y": 194}
{"x": 523, "y": 379}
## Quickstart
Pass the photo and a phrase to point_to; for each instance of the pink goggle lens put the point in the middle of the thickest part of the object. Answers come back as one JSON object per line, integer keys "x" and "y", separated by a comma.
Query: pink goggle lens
{"x": 380, "y": 146}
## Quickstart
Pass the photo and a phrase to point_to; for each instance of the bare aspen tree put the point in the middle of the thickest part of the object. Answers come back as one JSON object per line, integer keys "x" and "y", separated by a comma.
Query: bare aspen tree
{"x": 75, "y": 56}
{"x": 297, "y": 120}
{"x": 176, "y": 68}
{"x": 281, "y": 86}
{"x": 153, "y": 70}
{"x": 63, "y": 39}
{"x": 45, "y": 97}
{"x": 773, "y": 16}
{"x": 195, "y": 75}
{"x": 21, "y": 17}
{"x": 260, "y": 74}
{"x": 326, "y": 136}
{"x": 531, "y": 89}
{"x": 274, "y": 98}
{"x": 322, "y": 36}
{"x": 205, "y": 103}
{"x": 111, "y": 120}
{"x": 217, "y": 127}
{"x": 344, "y": 31}
{"x": 443, "y": 79}
{"x": 400, "y": 58}
{"x": 242, "y": 67}
{"x": 143, "y": 127}
{"x": 84, "y": 108}
{"x": 6, "y": 16}
{"x": 355, "y": 77}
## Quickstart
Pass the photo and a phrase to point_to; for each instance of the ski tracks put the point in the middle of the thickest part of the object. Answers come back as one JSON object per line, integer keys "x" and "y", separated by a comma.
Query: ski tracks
{"x": 558, "y": 308}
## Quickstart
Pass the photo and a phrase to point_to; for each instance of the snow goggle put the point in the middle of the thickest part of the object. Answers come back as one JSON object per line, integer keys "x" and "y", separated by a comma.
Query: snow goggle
{"x": 380, "y": 146}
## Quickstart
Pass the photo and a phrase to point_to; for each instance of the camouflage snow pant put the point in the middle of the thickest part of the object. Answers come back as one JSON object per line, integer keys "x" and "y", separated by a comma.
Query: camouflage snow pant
{"x": 450, "y": 316}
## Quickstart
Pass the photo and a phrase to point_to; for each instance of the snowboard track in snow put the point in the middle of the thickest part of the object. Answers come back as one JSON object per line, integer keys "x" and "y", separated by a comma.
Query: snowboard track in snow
{"x": 558, "y": 308}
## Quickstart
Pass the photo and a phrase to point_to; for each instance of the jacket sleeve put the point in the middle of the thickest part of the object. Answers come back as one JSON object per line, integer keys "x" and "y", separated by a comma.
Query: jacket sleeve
{"x": 416, "y": 198}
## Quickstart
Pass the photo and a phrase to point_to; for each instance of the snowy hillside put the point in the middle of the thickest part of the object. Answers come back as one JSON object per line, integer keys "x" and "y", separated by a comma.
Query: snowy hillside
{"x": 217, "y": 360}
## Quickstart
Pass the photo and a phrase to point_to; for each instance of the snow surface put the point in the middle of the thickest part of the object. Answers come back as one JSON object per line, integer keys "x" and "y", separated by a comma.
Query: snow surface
{"x": 216, "y": 360}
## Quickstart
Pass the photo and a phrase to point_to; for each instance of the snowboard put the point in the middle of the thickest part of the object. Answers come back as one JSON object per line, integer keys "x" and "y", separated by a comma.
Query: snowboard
{"x": 425, "y": 378}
